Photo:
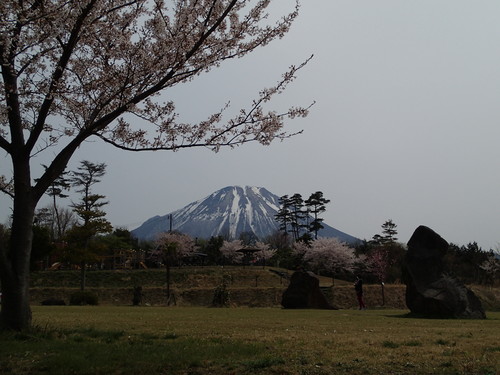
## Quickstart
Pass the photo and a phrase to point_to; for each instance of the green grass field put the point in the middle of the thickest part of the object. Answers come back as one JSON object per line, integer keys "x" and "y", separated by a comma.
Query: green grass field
{"x": 160, "y": 340}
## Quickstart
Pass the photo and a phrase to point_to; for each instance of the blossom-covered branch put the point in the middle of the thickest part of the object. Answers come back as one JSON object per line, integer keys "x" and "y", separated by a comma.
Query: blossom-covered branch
{"x": 249, "y": 125}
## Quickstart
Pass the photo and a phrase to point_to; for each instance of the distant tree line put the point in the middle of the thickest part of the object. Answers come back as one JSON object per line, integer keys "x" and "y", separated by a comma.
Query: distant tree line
{"x": 472, "y": 265}
{"x": 81, "y": 237}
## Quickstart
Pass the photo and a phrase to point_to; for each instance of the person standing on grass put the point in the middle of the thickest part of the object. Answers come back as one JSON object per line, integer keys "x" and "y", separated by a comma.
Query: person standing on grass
{"x": 358, "y": 286}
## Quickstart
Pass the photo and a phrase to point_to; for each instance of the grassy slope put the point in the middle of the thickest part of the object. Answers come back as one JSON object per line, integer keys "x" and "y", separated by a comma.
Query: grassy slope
{"x": 193, "y": 286}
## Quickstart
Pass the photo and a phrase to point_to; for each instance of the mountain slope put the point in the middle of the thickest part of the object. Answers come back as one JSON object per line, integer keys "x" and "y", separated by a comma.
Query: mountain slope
{"x": 228, "y": 212}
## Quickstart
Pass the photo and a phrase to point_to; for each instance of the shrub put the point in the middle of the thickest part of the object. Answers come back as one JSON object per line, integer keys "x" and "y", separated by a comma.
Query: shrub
{"x": 53, "y": 302}
{"x": 222, "y": 296}
{"x": 83, "y": 298}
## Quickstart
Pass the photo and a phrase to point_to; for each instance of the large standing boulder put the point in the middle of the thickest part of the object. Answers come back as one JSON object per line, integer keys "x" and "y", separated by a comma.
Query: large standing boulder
{"x": 428, "y": 290}
{"x": 304, "y": 293}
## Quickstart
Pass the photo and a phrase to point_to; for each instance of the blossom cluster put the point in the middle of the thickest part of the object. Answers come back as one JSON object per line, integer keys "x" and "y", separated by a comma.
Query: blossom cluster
{"x": 173, "y": 246}
{"x": 327, "y": 255}
{"x": 76, "y": 69}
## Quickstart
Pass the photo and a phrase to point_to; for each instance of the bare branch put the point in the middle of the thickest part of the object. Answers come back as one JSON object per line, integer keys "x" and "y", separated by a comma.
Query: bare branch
{"x": 5, "y": 145}
{"x": 7, "y": 187}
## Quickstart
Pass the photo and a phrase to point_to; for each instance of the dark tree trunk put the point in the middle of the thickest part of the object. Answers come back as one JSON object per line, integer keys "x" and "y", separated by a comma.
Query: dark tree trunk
{"x": 16, "y": 311}
{"x": 83, "y": 275}
{"x": 15, "y": 266}
{"x": 15, "y": 259}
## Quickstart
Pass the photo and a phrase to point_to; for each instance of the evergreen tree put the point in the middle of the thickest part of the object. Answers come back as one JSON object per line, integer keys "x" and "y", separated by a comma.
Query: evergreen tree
{"x": 465, "y": 263}
{"x": 294, "y": 215}
{"x": 316, "y": 205}
{"x": 389, "y": 231}
{"x": 388, "y": 235}
{"x": 283, "y": 215}
{"x": 212, "y": 249}
{"x": 89, "y": 210}
{"x": 127, "y": 238}
{"x": 297, "y": 215}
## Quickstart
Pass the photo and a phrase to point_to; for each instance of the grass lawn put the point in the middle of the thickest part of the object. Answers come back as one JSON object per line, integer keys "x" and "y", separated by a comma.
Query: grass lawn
{"x": 160, "y": 340}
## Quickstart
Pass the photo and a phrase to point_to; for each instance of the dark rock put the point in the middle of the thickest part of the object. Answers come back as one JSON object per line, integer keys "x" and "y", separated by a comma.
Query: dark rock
{"x": 304, "y": 293}
{"x": 428, "y": 290}
{"x": 53, "y": 302}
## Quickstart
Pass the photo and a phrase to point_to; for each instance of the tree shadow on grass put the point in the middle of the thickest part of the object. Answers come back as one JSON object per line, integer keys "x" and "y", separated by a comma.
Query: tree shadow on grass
{"x": 411, "y": 315}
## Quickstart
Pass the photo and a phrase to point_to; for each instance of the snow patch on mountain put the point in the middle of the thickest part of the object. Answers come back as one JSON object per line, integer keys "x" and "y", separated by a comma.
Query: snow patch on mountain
{"x": 227, "y": 212}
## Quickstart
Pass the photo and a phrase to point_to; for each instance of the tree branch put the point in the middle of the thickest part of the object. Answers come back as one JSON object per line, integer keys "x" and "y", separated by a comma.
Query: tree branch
{"x": 107, "y": 119}
{"x": 4, "y": 144}
{"x": 6, "y": 187}
{"x": 57, "y": 74}
{"x": 58, "y": 164}
{"x": 11, "y": 95}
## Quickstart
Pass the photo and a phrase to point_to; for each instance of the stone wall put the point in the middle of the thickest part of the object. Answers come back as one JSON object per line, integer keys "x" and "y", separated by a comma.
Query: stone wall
{"x": 340, "y": 296}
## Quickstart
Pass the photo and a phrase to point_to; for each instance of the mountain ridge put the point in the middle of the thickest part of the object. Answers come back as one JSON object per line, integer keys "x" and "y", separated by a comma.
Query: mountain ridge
{"x": 229, "y": 212}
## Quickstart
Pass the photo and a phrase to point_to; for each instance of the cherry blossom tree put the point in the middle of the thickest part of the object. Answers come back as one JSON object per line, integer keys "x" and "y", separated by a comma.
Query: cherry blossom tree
{"x": 75, "y": 70}
{"x": 230, "y": 252}
{"x": 327, "y": 255}
{"x": 300, "y": 248}
{"x": 379, "y": 262}
{"x": 174, "y": 246}
{"x": 170, "y": 248}
{"x": 265, "y": 252}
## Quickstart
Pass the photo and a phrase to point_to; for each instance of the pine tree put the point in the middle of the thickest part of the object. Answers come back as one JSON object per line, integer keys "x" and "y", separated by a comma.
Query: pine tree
{"x": 316, "y": 205}
{"x": 297, "y": 215}
{"x": 283, "y": 215}
{"x": 89, "y": 210}
{"x": 388, "y": 235}
{"x": 389, "y": 232}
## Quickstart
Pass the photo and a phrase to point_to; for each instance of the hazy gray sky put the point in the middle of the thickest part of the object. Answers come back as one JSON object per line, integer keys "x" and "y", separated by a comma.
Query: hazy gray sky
{"x": 406, "y": 124}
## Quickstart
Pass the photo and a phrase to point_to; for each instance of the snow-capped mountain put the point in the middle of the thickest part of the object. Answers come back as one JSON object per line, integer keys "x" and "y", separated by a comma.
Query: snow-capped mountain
{"x": 228, "y": 212}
